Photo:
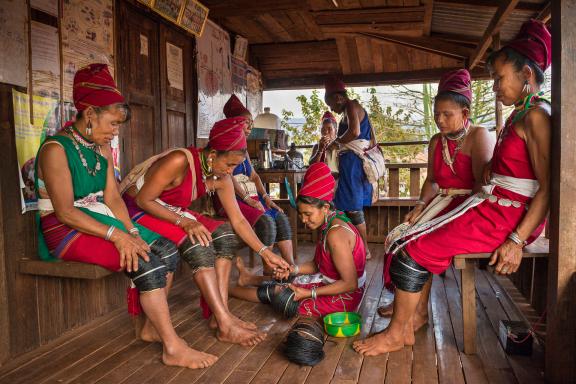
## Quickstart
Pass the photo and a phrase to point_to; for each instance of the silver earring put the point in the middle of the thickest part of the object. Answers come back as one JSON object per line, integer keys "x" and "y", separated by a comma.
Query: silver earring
{"x": 209, "y": 165}
{"x": 89, "y": 128}
{"x": 527, "y": 88}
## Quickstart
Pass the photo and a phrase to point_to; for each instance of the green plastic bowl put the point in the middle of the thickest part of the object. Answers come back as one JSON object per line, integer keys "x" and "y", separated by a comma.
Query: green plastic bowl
{"x": 342, "y": 324}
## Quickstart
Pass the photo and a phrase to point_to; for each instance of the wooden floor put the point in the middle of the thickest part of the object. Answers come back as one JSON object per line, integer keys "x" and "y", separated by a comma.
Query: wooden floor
{"x": 106, "y": 351}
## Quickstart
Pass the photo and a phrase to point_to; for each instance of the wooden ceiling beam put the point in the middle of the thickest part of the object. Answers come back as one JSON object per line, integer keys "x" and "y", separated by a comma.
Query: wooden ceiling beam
{"x": 372, "y": 79}
{"x": 502, "y": 13}
{"x": 405, "y": 29}
{"x": 426, "y": 44}
{"x": 545, "y": 14}
{"x": 252, "y": 8}
{"x": 521, "y": 6}
{"x": 369, "y": 15}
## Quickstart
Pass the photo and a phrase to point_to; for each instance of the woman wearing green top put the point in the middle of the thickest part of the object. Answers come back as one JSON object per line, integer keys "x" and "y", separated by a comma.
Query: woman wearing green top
{"x": 83, "y": 217}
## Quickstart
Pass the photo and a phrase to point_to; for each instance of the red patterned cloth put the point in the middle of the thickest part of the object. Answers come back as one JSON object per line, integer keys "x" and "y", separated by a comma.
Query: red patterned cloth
{"x": 457, "y": 81}
{"x": 95, "y": 87}
{"x": 228, "y": 134}
{"x": 535, "y": 42}
{"x": 234, "y": 107}
{"x": 318, "y": 182}
{"x": 334, "y": 84}
{"x": 329, "y": 116}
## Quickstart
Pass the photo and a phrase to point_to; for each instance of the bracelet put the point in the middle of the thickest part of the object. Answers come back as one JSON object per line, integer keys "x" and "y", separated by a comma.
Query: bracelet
{"x": 420, "y": 202}
{"x": 134, "y": 231}
{"x": 259, "y": 253}
{"x": 516, "y": 239}
{"x": 264, "y": 196}
{"x": 314, "y": 293}
{"x": 111, "y": 230}
{"x": 180, "y": 219}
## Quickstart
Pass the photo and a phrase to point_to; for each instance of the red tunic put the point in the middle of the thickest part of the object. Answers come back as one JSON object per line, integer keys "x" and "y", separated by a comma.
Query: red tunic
{"x": 445, "y": 178}
{"x": 180, "y": 196}
{"x": 349, "y": 301}
{"x": 485, "y": 227}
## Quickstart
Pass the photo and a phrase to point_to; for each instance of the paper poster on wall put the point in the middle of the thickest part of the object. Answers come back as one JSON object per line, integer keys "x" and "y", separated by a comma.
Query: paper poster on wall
{"x": 45, "y": 60}
{"x": 14, "y": 40}
{"x": 194, "y": 17}
{"x": 29, "y": 135}
{"x": 214, "y": 76}
{"x": 174, "y": 66}
{"x": 87, "y": 37}
{"x": 48, "y": 6}
{"x": 143, "y": 45}
{"x": 253, "y": 91}
{"x": 239, "y": 78}
{"x": 170, "y": 9}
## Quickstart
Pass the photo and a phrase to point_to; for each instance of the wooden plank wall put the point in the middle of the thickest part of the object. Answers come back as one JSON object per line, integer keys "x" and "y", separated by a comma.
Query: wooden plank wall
{"x": 38, "y": 309}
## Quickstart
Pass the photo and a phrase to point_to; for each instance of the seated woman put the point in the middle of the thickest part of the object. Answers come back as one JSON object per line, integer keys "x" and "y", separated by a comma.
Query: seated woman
{"x": 456, "y": 158}
{"x": 84, "y": 219}
{"x": 320, "y": 151}
{"x": 334, "y": 280}
{"x": 268, "y": 220}
{"x": 511, "y": 209}
{"x": 158, "y": 193}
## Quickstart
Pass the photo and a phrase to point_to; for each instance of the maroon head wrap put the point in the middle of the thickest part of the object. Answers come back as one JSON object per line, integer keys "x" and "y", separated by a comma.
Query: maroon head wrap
{"x": 457, "y": 81}
{"x": 333, "y": 85}
{"x": 95, "y": 87}
{"x": 328, "y": 116}
{"x": 535, "y": 42}
{"x": 318, "y": 182}
{"x": 234, "y": 107}
{"x": 228, "y": 134}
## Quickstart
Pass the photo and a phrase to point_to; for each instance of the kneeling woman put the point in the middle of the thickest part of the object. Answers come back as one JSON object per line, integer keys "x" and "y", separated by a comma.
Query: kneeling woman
{"x": 334, "y": 280}
{"x": 84, "y": 219}
{"x": 158, "y": 193}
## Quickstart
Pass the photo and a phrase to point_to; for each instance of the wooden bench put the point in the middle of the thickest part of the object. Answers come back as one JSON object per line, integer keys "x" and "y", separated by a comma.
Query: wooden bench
{"x": 466, "y": 263}
{"x": 67, "y": 269}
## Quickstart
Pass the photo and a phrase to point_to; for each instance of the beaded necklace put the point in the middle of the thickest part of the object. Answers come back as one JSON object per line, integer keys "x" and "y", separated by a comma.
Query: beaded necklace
{"x": 459, "y": 138}
{"x": 77, "y": 140}
{"x": 520, "y": 110}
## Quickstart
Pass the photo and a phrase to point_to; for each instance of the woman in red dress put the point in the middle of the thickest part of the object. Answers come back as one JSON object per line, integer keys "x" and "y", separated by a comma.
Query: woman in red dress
{"x": 509, "y": 212}
{"x": 456, "y": 158}
{"x": 158, "y": 193}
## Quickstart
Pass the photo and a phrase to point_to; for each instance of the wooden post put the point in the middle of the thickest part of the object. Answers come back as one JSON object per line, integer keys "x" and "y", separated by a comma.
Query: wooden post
{"x": 561, "y": 309}
{"x": 498, "y": 107}
{"x": 469, "y": 307}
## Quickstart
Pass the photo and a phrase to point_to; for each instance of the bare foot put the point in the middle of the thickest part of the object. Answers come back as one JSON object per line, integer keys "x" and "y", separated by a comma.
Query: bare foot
{"x": 368, "y": 254}
{"x": 378, "y": 344}
{"x": 409, "y": 338}
{"x": 386, "y": 310}
{"x": 245, "y": 277}
{"x": 181, "y": 355}
{"x": 420, "y": 321}
{"x": 148, "y": 333}
{"x": 237, "y": 334}
{"x": 213, "y": 323}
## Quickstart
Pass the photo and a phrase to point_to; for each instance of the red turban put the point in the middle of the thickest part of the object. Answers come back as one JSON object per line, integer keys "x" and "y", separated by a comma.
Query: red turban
{"x": 328, "y": 116}
{"x": 333, "y": 85}
{"x": 457, "y": 81}
{"x": 318, "y": 182}
{"x": 234, "y": 107}
{"x": 95, "y": 87}
{"x": 535, "y": 42}
{"x": 228, "y": 134}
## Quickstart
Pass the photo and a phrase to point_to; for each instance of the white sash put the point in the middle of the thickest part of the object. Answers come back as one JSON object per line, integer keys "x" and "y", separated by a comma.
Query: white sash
{"x": 320, "y": 278}
{"x": 89, "y": 202}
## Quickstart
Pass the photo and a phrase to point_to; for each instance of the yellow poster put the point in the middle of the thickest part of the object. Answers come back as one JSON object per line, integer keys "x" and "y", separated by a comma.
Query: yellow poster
{"x": 29, "y": 135}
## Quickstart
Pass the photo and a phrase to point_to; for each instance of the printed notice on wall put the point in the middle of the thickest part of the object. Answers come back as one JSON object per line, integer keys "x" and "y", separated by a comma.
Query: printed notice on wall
{"x": 143, "y": 45}
{"x": 174, "y": 66}
{"x": 45, "y": 60}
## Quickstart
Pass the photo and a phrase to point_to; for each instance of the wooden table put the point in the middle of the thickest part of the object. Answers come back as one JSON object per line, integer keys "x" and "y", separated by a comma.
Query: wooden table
{"x": 294, "y": 177}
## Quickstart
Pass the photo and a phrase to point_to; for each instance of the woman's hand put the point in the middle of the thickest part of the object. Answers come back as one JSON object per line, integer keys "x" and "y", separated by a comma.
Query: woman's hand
{"x": 411, "y": 216}
{"x": 487, "y": 173}
{"x": 507, "y": 258}
{"x": 272, "y": 205}
{"x": 130, "y": 248}
{"x": 323, "y": 143}
{"x": 276, "y": 263}
{"x": 254, "y": 204}
{"x": 300, "y": 293}
{"x": 197, "y": 232}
